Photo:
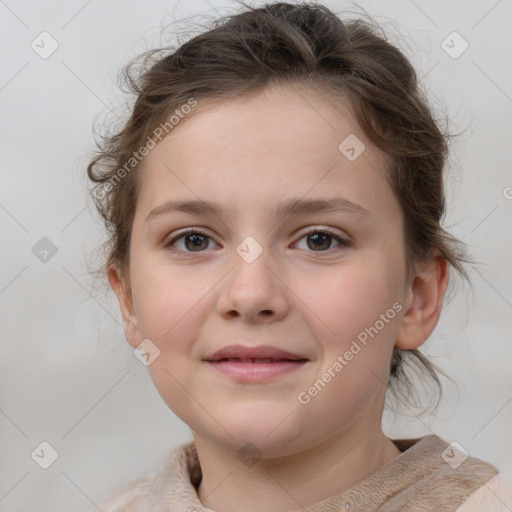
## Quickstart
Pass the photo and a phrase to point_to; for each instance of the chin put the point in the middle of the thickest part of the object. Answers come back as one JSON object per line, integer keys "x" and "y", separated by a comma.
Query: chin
{"x": 265, "y": 432}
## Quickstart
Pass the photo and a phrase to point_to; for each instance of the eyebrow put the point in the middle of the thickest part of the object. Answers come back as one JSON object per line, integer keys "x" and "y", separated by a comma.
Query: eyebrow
{"x": 290, "y": 207}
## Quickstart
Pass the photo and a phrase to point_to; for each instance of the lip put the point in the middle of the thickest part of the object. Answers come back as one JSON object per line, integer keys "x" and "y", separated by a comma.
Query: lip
{"x": 256, "y": 372}
{"x": 243, "y": 352}
{"x": 254, "y": 364}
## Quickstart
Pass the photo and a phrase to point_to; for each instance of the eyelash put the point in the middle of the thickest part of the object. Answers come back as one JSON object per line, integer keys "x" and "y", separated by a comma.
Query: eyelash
{"x": 343, "y": 243}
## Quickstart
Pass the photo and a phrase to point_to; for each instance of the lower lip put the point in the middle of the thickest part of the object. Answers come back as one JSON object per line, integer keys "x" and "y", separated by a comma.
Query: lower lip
{"x": 255, "y": 372}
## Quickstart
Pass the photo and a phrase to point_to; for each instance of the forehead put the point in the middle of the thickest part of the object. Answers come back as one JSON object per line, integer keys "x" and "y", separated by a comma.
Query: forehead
{"x": 280, "y": 141}
{"x": 276, "y": 120}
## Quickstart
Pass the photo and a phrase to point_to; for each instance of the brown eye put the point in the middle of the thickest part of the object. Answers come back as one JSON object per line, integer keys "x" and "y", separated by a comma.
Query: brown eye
{"x": 197, "y": 242}
{"x": 322, "y": 240}
{"x": 193, "y": 241}
{"x": 319, "y": 241}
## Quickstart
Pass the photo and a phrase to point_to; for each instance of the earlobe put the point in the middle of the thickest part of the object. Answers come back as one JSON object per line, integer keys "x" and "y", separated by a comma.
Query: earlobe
{"x": 423, "y": 305}
{"x": 124, "y": 297}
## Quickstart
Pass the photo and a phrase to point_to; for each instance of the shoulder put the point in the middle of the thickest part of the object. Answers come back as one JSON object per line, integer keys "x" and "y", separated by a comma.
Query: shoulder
{"x": 495, "y": 495}
{"x": 453, "y": 475}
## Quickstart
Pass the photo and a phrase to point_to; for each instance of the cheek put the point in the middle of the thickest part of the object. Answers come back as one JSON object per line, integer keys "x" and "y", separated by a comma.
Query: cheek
{"x": 170, "y": 311}
{"x": 165, "y": 297}
{"x": 361, "y": 306}
{"x": 361, "y": 310}
{"x": 351, "y": 298}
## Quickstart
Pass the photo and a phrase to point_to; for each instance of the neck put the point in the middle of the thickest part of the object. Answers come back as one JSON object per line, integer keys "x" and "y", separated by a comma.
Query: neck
{"x": 293, "y": 482}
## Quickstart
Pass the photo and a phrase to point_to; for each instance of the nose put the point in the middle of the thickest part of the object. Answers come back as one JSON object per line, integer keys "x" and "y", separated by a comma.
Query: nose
{"x": 253, "y": 291}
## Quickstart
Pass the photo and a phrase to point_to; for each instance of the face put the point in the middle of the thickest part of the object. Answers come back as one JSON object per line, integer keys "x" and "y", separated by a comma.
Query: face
{"x": 308, "y": 281}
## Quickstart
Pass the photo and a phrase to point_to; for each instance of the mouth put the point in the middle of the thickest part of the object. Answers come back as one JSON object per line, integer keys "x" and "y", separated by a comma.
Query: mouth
{"x": 254, "y": 364}
{"x": 254, "y": 360}
{"x": 259, "y": 354}
{"x": 256, "y": 370}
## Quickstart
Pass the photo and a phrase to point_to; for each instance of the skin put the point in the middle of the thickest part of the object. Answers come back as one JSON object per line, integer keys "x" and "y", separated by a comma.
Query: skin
{"x": 249, "y": 154}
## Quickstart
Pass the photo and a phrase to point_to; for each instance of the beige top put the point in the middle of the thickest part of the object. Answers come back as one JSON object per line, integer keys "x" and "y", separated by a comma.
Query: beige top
{"x": 429, "y": 475}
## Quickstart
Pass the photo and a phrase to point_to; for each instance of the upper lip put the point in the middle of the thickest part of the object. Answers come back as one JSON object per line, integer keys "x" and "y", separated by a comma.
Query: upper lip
{"x": 259, "y": 352}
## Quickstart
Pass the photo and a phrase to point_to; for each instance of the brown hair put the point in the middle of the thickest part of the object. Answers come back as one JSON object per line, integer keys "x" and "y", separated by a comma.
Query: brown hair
{"x": 302, "y": 44}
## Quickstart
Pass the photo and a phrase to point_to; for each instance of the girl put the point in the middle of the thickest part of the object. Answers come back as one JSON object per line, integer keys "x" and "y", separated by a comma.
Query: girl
{"x": 274, "y": 203}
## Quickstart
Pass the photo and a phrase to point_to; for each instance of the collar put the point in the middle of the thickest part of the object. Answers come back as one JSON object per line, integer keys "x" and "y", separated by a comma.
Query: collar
{"x": 421, "y": 478}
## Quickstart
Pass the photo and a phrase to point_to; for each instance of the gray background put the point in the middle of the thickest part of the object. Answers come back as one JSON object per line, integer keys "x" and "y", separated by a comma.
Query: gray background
{"x": 69, "y": 378}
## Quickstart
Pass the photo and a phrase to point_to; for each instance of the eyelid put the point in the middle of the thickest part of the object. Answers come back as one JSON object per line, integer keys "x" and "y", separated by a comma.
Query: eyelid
{"x": 344, "y": 240}
{"x": 330, "y": 231}
{"x": 185, "y": 231}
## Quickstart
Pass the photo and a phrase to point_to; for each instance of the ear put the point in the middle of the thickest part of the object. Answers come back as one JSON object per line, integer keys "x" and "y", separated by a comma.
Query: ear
{"x": 423, "y": 304}
{"x": 124, "y": 296}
